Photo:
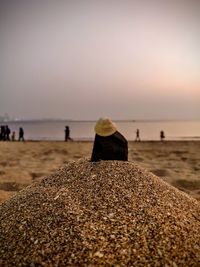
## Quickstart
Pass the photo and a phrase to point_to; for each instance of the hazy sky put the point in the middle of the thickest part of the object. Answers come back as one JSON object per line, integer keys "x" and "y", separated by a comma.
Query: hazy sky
{"x": 86, "y": 59}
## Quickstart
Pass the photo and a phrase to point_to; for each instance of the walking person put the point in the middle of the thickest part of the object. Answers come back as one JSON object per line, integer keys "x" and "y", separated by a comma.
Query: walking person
{"x": 3, "y": 133}
{"x": 67, "y": 134}
{"x": 7, "y": 133}
{"x": 21, "y": 134}
{"x": 109, "y": 144}
{"x": 162, "y": 135}
{"x": 137, "y": 135}
{"x": 13, "y": 136}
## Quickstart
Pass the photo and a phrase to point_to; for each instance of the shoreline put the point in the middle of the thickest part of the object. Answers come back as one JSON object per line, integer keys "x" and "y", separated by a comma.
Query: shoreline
{"x": 84, "y": 130}
{"x": 183, "y": 140}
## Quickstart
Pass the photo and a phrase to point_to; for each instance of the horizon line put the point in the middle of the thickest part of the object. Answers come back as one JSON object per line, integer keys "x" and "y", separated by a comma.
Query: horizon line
{"x": 90, "y": 120}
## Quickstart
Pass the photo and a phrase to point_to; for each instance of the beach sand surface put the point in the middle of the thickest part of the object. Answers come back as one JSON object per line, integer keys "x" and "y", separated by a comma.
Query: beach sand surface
{"x": 23, "y": 163}
{"x": 107, "y": 213}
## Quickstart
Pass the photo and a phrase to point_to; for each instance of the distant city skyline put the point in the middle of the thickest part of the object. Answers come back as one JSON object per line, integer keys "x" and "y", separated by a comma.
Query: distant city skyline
{"x": 82, "y": 60}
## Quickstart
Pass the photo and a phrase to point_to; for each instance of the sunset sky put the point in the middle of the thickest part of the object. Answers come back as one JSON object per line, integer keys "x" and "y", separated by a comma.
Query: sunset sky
{"x": 86, "y": 59}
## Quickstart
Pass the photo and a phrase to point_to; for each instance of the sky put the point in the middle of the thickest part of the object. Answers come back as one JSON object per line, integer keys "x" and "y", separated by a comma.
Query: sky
{"x": 83, "y": 60}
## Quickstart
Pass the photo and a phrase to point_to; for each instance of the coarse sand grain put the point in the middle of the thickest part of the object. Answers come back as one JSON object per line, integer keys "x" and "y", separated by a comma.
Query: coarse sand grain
{"x": 107, "y": 213}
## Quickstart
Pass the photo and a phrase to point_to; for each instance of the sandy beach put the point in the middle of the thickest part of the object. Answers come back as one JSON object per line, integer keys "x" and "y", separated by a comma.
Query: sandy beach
{"x": 22, "y": 163}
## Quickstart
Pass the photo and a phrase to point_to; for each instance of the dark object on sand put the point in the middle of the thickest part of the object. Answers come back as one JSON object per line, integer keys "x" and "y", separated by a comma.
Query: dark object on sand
{"x": 109, "y": 144}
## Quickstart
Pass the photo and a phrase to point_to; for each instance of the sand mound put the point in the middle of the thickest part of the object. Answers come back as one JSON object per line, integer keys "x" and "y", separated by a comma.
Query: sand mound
{"x": 105, "y": 213}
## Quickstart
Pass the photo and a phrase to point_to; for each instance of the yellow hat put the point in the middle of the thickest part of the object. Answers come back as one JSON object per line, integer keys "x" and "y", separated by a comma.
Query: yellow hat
{"x": 105, "y": 127}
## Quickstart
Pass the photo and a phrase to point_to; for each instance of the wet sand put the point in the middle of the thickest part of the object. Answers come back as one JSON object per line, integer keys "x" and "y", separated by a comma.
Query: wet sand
{"x": 22, "y": 163}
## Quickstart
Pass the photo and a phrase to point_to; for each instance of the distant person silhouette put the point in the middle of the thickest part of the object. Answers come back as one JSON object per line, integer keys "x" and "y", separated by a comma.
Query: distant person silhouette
{"x": 13, "y": 136}
{"x": 67, "y": 134}
{"x": 162, "y": 135}
{"x": 109, "y": 144}
{"x": 3, "y": 133}
{"x": 21, "y": 134}
{"x": 137, "y": 135}
{"x": 7, "y": 133}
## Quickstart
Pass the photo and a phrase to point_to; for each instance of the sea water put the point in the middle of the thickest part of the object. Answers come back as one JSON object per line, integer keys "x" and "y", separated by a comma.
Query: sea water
{"x": 84, "y": 130}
